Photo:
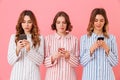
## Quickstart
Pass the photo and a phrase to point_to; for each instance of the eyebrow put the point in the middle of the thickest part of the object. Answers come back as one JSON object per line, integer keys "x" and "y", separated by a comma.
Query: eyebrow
{"x": 100, "y": 19}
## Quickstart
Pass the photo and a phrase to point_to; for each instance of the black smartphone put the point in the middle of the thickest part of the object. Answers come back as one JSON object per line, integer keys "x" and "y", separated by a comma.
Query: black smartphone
{"x": 100, "y": 38}
{"x": 22, "y": 36}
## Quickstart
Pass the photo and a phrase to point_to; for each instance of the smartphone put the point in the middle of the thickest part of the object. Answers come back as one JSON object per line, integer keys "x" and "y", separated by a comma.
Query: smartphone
{"x": 60, "y": 49}
{"x": 22, "y": 36}
{"x": 100, "y": 38}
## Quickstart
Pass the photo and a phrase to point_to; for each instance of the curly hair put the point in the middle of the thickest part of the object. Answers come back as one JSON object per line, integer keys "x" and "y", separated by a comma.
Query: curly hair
{"x": 65, "y": 15}
{"x": 34, "y": 31}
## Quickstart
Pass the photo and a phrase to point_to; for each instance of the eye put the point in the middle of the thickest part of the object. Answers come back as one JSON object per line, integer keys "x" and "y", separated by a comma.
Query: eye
{"x": 57, "y": 22}
{"x": 102, "y": 20}
{"x": 30, "y": 21}
{"x": 64, "y": 22}
{"x": 96, "y": 20}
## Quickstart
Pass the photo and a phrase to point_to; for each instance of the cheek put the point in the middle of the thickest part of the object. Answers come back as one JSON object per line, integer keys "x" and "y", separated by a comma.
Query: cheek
{"x": 94, "y": 23}
{"x": 57, "y": 26}
{"x": 103, "y": 24}
{"x": 22, "y": 24}
{"x": 30, "y": 25}
{"x": 65, "y": 26}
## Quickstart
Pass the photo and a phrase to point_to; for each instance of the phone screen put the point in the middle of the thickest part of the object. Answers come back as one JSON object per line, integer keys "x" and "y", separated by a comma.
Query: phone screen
{"x": 100, "y": 38}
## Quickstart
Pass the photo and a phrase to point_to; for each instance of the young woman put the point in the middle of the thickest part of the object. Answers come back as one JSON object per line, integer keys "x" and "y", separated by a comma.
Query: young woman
{"x": 61, "y": 50}
{"x": 25, "y": 55}
{"x": 98, "y": 50}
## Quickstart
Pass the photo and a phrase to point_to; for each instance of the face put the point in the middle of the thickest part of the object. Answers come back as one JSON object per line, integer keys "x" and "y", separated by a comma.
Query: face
{"x": 27, "y": 24}
{"x": 61, "y": 25}
{"x": 99, "y": 22}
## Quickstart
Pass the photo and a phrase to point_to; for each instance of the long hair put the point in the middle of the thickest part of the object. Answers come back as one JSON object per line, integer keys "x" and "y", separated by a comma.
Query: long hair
{"x": 34, "y": 30}
{"x": 95, "y": 12}
{"x": 65, "y": 15}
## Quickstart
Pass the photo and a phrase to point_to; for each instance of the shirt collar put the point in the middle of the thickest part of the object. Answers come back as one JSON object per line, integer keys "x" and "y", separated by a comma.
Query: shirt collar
{"x": 28, "y": 35}
{"x": 57, "y": 36}
{"x": 96, "y": 36}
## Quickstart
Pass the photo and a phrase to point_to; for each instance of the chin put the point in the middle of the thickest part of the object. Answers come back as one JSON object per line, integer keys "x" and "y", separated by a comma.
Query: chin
{"x": 99, "y": 28}
{"x": 27, "y": 31}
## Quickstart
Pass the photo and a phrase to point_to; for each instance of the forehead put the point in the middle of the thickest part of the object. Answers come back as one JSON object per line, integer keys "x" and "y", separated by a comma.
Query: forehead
{"x": 61, "y": 18}
{"x": 99, "y": 16}
{"x": 26, "y": 17}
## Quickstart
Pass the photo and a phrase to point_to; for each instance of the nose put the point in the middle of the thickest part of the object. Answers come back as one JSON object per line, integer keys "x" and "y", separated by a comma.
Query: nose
{"x": 99, "y": 22}
{"x": 61, "y": 24}
{"x": 26, "y": 23}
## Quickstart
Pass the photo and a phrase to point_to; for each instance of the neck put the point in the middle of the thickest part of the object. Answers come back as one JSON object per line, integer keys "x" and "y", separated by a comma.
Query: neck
{"x": 98, "y": 32}
{"x": 62, "y": 34}
{"x": 27, "y": 33}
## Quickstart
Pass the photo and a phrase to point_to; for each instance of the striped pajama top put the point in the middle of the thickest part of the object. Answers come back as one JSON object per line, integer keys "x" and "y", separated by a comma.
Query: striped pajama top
{"x": 61, "y": 69}
{"x": 99, "y": 66}
{"x": 26, "y": 64}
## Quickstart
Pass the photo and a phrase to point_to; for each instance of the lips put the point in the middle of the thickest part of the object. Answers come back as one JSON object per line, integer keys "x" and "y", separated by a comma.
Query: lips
{"x": 26, "y": 28}
{"x": 62, "y": 28}
{"x": 98, "y": 26}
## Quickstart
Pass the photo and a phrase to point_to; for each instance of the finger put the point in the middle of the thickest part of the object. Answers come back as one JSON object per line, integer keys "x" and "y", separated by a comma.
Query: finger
{"x": 22, "y": 45}
{"x": 26, "y": 41}
{"x": 63, "y": 49}
{"x": 63, "y": 52}
{"x": 58, "y": 53}
{"x": 62, "y": 55}
{"x": 101, "y": 42}
{"x": 59, "y": 49}
{"x": 97, "y": 45}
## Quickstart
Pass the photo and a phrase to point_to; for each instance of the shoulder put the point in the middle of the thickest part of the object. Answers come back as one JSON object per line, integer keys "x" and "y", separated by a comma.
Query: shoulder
{"x": 73, "y": 36}
{"x": 12, "y": 36}
{"x": 50, "y": 36}
{"x": 84, "y": 36}
{"x": 41, "y": 37}
{"x": 112, "y": 37}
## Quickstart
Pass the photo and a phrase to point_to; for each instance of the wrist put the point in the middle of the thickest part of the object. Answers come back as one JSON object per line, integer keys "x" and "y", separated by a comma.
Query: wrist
{"x": 107, "y": 51}
{"x": 27, "y": 49}
{"x": 91, "y": 52}
{"x": 53, "y": 58}
{"x": 67, "y": 57}
{"x": 17, "y": 51}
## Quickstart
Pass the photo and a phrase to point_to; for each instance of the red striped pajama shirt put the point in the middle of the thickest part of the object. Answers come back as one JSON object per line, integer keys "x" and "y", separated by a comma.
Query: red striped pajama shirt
{"x": 61, "y": 69}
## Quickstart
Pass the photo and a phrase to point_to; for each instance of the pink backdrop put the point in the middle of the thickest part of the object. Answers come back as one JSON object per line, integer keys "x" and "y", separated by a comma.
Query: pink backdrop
{"x": 78, "y": 10}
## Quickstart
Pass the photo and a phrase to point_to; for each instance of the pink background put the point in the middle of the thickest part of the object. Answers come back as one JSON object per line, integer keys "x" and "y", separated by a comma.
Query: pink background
{"x": 45, "y": 10}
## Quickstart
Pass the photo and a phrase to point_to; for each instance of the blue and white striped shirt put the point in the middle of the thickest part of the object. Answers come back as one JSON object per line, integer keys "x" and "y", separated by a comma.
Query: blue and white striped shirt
{"x": 99, "y": 65}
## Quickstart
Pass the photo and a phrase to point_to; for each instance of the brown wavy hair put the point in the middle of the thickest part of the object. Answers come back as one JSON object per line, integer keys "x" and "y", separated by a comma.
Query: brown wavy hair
{"x": 65, "y": 15}
{"x": 34, "y": 31}
{"x": 95, "y": 12}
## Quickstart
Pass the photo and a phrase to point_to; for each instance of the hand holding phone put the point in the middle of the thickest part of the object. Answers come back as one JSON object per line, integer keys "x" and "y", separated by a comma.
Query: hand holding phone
{"x": 60, "y": 49}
